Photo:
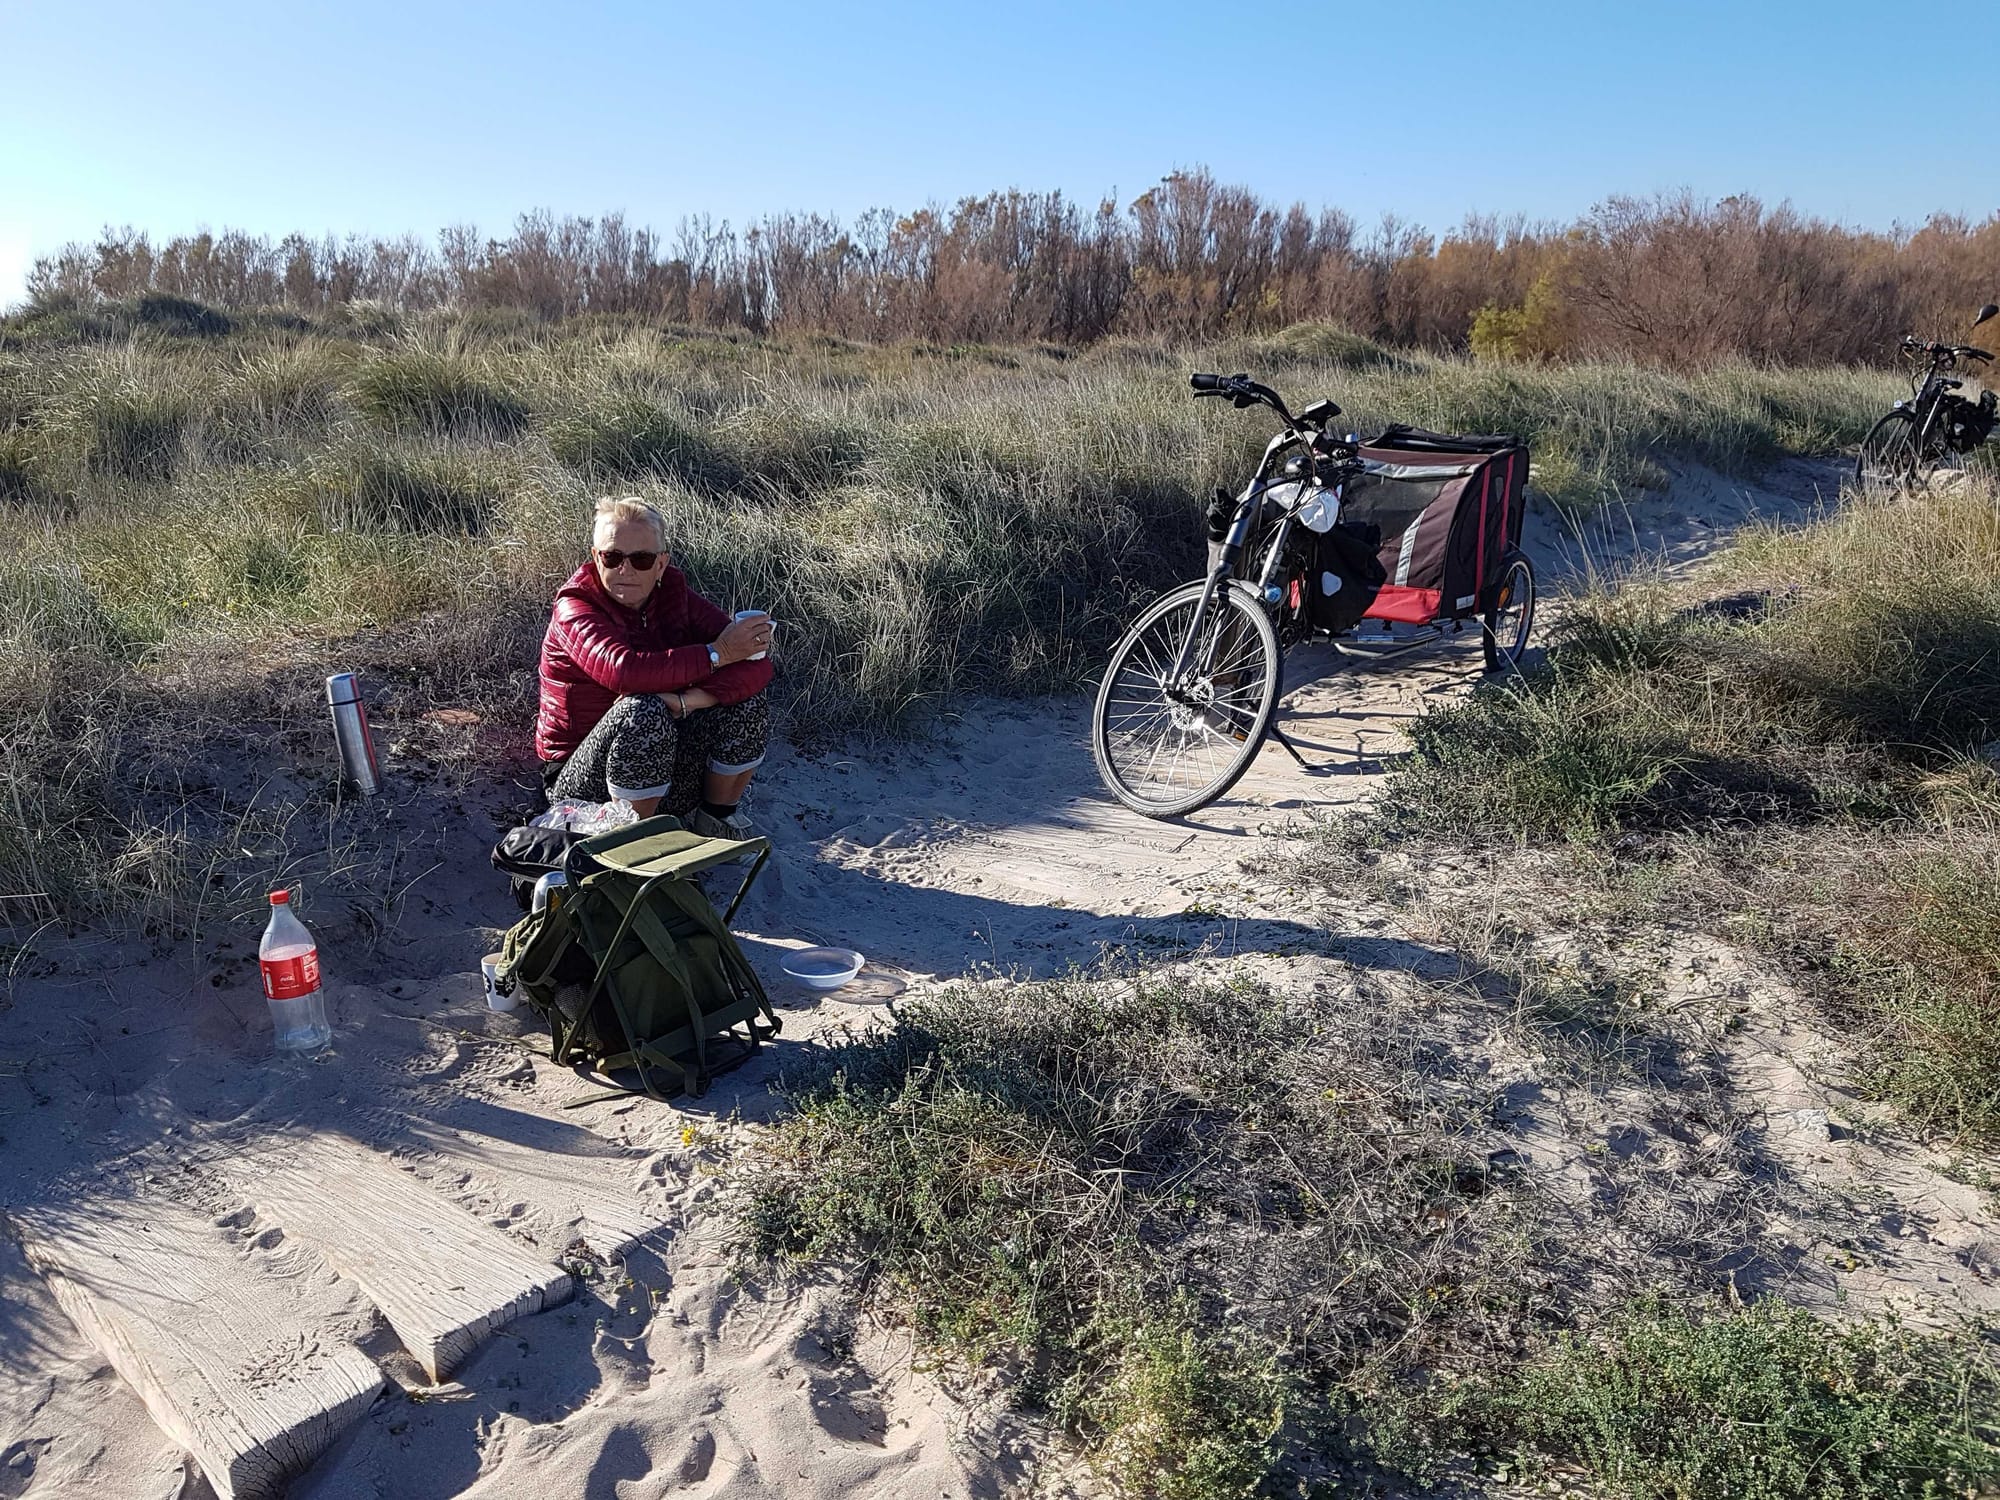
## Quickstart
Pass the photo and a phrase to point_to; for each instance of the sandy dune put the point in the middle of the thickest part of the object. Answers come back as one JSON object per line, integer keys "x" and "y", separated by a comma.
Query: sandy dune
{"x": 140, "y": 1074}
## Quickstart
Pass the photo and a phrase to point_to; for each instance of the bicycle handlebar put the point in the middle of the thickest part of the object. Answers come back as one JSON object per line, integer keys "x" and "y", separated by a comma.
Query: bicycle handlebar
{"x": 1913, "y": 345}
{"x": 1242, "y": 391}
{"x": 1241, "y": 388}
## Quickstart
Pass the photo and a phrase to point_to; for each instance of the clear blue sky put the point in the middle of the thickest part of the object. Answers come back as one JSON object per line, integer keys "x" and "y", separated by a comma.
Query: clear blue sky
{"x": 382, "y": 117}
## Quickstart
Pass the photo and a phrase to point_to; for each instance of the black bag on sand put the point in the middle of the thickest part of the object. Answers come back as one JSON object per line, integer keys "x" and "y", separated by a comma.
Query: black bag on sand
{"x": 525, "y": 854}
{"x": 632, "y": 966}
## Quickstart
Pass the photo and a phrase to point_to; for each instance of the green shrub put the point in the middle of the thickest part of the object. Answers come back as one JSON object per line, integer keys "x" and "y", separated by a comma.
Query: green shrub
{"x": 180, "y": 315}
{"x": 363, "y": 320}
{"x": 1114, "y": 1189}
{"x": 1916, "y": 932}
{"x": 789, "y": 448}
{"x": 1534, "y": 330}
{"x": 627, "y": 436}
{"x": 949, "y": 1153}
{"x": 48, "y": 612}
{"x": 1766, "y": 1404}
{"x": 17, "y": 466}
{"x": 1544, "y": 754}
{"x": 1328, "y": 344}
{"x": 289, "y": 386}
{"x": 54, "y": 322}
{"x": 58, "y": 736}
{"x": 446, "y": 490}
{"x": 1177, "y": 1413}
{"x": 428, "y": 391}
{"x": 1846, "y": 698}
{"x": 1870, "y": 659}
{"x": 137, "y": 438}
{"x": 1913, "y": 663}
{"x": 1123, "y": 1194}
{"x": 113, "y": 426}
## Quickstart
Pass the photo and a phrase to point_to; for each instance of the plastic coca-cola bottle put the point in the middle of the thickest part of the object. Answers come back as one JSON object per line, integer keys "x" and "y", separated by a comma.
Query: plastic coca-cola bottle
{"x": 289, "y": 959}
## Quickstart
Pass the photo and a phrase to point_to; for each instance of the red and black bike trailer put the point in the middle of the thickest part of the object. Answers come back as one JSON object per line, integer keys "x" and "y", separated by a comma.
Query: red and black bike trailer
{"x": 1448, "y": 510}
{"x": 1379, "y": 547}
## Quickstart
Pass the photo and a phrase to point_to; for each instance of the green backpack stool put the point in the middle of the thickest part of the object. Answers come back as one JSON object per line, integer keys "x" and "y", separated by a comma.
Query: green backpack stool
{"x": 633, "y": 968}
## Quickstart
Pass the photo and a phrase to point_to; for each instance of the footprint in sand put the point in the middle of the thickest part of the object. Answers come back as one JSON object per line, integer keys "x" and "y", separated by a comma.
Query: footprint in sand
{"x": 877, "y": 833}
{"x": 697, "y": 1456}
{"x": 848, "y": 1408}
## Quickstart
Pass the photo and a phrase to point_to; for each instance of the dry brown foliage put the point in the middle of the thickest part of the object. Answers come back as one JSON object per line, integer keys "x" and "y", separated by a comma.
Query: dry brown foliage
{"x": 1673, "y": 280}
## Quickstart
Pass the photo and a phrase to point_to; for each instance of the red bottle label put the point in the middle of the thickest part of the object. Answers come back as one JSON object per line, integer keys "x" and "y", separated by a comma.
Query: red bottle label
{"x": 289, "y": 978}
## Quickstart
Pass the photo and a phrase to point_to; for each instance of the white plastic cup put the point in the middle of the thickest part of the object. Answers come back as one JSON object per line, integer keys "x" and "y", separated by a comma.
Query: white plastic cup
{"x": 745, "y": 614}
{"x": 489, "y": 970}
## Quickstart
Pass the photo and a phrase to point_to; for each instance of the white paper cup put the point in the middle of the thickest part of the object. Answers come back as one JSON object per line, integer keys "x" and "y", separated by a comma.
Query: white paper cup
{"x": 489, "y": 970}
{"x": 744, "y": 614}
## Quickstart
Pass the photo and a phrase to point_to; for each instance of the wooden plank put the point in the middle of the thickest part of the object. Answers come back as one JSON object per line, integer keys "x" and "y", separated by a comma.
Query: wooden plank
{"x": 511, "y": 1155}
{"x": 548, "y": 1185}
{"x": 444, "y": 1279}
{"x": 240, "y": 1357}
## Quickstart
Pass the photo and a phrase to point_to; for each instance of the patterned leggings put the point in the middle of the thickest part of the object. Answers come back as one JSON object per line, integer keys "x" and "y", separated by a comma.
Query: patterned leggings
{"x": 639, "y": 750}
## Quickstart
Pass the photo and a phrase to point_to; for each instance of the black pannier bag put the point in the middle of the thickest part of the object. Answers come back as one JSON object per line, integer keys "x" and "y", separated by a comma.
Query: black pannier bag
{"x": 525, "y": 854}
{"x": 1342, "y": 569}
{"x": 1448, "y": 509}
{"x": 1967, "y": 424}
{"x": 1345, "y": 575}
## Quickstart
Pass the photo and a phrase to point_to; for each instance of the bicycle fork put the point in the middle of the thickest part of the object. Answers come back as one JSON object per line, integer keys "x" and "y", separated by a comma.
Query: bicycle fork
{"x": 1232, "y": 548}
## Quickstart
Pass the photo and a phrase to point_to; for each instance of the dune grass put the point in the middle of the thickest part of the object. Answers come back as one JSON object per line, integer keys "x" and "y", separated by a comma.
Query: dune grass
{"x": 1078, "y": 1183}
{"x": 927, "y": 521}
{"x": 1125, "y": 1194}
{"x": 1806, "y": 734}
{"x": 1848, "y": 667}
{"x": 1769, "y": 1403}
{"x": 1242, "y": 1241}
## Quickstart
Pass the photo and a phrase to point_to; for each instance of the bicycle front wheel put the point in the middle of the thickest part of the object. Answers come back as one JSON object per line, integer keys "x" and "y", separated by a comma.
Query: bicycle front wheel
{"x": 1888, "y": 458}
{"x": 1166, "y": 746}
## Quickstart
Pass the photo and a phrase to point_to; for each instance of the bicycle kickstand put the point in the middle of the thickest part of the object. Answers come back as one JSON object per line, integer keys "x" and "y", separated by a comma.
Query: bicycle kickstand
{"x": 1293, "y": 750}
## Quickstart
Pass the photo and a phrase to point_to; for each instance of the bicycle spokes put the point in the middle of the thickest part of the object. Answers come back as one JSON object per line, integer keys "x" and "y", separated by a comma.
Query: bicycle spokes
{"x": 1166, "y": 737}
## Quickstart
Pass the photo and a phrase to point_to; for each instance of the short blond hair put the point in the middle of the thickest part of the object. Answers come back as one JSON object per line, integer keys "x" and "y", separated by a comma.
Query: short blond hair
{"x": 620, "y": 508}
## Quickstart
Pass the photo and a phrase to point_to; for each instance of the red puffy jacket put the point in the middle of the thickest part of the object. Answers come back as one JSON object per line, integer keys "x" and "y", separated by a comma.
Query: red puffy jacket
{"x": 597, "y": 651}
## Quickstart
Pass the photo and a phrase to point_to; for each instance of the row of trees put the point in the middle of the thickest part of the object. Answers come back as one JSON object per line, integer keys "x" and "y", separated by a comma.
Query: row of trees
{"x": 1666, "y": 279}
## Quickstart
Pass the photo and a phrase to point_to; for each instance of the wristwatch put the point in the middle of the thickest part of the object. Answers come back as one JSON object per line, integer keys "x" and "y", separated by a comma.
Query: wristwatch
{"x": 714, "y": 658}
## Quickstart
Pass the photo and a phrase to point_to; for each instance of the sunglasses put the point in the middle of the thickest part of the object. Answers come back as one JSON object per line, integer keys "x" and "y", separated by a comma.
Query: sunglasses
{"x": 613, "y": 560}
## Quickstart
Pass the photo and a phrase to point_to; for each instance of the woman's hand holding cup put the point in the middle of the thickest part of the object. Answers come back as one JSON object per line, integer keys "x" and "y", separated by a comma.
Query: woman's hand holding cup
{"x": 747, "y": 637}
{"x": 770, "y": 629}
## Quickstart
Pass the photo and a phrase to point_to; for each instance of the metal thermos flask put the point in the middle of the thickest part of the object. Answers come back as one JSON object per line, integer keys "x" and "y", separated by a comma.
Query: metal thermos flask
{"x": 350, "y": 733}
{"x": 549, "y": 890}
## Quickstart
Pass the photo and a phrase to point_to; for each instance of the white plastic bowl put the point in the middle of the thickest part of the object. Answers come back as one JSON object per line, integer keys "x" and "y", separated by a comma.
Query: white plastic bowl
{"x": 823, "y": 968}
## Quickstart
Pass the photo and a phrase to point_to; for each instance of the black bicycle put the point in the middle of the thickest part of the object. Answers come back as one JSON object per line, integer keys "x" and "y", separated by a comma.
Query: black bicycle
{"x": 1936, "y": 428}
{"x": 1379, "y": 547}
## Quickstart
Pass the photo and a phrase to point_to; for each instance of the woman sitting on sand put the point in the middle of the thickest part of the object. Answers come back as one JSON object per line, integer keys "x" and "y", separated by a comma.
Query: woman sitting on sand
{"x": 648, "y": 690}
